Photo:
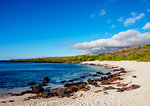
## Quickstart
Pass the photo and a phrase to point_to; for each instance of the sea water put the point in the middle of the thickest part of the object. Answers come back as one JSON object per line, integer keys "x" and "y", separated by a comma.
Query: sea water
{"x": 15, "y": 76}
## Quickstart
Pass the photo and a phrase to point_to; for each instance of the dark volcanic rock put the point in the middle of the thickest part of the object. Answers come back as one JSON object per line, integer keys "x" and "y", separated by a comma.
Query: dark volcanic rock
{"x": 108, "y": 73}
{"x": 95, "y": 75}
{"x": 37, "y": 89}
{"x": 133, "y": 76}
{"x": 46, "y": 80}
{"x": 105, "y": 82}
{"x": 62, "y": 93}
{"x": 135, "y": 86}
{"x": 92, "y": 82}
{"x": 47, "y": 94}
{"x": 74, "y": 89}
{"x": 11, "y": 100}
{"x": 100, "y": 73}
{"x": 31, "y": 83}
{"x": 25, "y": 92}
{"x": 109, "y": 88}
{"x": 70, "y": 81}
{"x": 75, "y": 79}
{"x": 3, "y": 102}
{"x": 82, "y": 76}
{"x": 122, "y": 70}
{"x": 62, "y": 81}
{"x": 121, "y": 89}
{"x": 119, "y": 78}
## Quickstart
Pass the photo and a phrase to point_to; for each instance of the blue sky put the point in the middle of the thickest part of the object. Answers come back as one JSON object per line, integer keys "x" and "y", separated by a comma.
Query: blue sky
{"x": 41, "y": 28}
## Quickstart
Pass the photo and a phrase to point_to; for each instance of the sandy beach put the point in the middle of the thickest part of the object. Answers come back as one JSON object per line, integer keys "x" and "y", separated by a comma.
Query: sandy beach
{"x": 96, "y": 96}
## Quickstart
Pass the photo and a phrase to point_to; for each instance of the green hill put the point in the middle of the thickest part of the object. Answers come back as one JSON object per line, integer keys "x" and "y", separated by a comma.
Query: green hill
{"x": 132, "y": 53}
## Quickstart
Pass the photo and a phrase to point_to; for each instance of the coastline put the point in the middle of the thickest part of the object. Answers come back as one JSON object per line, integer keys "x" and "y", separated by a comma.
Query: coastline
{"x": 95, "y": 96}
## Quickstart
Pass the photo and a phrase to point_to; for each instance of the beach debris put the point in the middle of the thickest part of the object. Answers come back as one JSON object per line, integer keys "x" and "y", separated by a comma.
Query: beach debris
{"x": 31, "y": 83}
{"x": 134, "y": 76}
{"x": 63, "y": 81}
{"x": 109, "y": 88}
{"x": 37, "y": 89}
{"x": 11, "y": 100}
{"x": 46, "y": 80}
{"x": 98, "y": 91}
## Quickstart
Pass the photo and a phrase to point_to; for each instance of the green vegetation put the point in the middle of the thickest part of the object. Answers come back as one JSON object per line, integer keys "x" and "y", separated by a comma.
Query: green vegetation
{"x": 132, "y": 53}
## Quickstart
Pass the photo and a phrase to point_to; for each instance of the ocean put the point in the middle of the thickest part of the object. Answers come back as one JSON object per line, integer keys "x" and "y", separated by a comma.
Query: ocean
{"x": 15, "y": 76}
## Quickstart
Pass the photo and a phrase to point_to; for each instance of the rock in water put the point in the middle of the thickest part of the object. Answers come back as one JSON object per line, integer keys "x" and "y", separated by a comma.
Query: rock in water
{"x": 31, "y": 83}
{"x": 46, "y": 80}
{"x": 37, "y": 89}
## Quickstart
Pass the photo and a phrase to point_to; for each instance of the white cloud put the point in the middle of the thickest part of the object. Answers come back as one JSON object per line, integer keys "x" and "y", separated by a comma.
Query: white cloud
{"x": 147, "y": 26}
{"x": 120, "y": 19}
{"x": 120, "y": 40}
{"x": 148, "y": 10}
{"x": 133, "y": 14}
{"x": 130, "y": 21}
{"x": 102, "y": 12}
{"x": 113, "y": 26}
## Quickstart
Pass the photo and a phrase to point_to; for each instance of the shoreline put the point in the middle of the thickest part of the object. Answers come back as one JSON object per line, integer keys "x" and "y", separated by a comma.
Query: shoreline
{"x": 91, "y": 96}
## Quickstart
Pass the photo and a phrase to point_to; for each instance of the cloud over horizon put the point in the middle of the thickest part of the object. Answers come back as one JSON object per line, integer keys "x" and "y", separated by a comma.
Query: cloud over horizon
{"x": 147, "y": 26}
{"x": 132, "y": 20}
{"x": 121, "y": 40}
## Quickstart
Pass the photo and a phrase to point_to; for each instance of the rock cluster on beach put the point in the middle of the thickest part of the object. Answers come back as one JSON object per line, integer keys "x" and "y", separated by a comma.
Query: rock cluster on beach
{"x": 70, "y": 87}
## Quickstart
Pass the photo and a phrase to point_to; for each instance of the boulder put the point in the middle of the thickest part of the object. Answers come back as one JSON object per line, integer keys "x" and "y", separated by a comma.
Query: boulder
{"x": 31, "y": 83}
{"x": 62, "y": 93}
{"x": 105, "y": 82}
{"x": 74, "y": 89}
{"x": 47, "y": 94}
{"x": 82, "y": 76}
{"x": 37, "y": 89}
{"x": 63, "y": 81}
{"x": 90, "y": 81}
{"x": 108, "y": 73}
{"x": 121, "y": 89}
{"x": 133, "y": 76}
{"x": 25, "y": 92}
{"x": 70, "y": 81}
{"x": 109, "y": 88}
{"x": 46, "y": 80}
{"x": 135, "y": 86}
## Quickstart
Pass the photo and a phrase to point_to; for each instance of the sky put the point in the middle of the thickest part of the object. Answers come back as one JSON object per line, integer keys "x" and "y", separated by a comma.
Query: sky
{"x": 45, "y": 28}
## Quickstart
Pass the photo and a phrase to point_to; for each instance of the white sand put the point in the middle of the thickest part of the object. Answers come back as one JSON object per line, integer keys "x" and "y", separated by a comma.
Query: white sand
{"x": 136, "y": 97}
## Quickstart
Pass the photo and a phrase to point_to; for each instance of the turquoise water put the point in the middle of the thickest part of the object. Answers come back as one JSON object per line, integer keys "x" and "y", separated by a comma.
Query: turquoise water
{"x": 16, "y": 76}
